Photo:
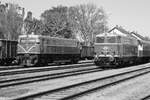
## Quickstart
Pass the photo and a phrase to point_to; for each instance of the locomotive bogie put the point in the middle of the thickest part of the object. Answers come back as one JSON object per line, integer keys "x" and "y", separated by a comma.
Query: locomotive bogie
{"x": 114, "y": 61}
{"x": 28, "y": 59}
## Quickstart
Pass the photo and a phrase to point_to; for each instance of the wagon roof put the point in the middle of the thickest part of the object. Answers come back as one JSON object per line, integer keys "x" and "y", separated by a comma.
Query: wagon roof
{"x": 8, "y": 40}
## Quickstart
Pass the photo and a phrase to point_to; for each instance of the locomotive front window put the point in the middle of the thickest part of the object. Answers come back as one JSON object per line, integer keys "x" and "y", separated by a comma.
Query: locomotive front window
{"x": 28, "y": 40}
{"x": 111, "y": 39}
{"x": 100, "y": 39}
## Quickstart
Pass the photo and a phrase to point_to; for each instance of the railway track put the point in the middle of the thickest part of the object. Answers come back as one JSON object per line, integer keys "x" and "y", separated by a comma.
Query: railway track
{"x": 40, "y": 69}
{"x": 75, "y": 90}
{"x": 41, "y": 76}
{"x": 21, "y": 67}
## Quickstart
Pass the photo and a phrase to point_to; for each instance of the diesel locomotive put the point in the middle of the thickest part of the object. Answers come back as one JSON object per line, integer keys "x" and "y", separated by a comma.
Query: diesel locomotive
{"x": 35, "y": 50}
{"x": 112, "y": 49}
{"x": 120, "y": 49}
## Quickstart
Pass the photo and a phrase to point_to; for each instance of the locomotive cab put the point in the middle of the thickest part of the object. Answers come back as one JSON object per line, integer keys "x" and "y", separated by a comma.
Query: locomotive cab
{"x": 105, "y": 48}
{"x": 28, "y": 49}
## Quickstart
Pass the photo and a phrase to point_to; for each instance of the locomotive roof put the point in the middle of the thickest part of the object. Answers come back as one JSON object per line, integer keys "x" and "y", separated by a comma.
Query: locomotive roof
{"x": 31, "y": 36}
{"x": 113, "y": 34}
{"x": 42, "y": 36}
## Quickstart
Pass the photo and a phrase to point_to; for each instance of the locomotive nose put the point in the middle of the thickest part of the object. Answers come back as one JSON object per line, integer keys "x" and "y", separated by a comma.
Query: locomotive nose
{"x": 105, "y": 50}
{"x": 108, "y": 51}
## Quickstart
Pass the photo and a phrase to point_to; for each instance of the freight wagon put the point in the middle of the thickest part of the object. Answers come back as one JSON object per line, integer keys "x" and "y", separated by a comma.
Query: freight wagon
{"x": 8, "y": 51}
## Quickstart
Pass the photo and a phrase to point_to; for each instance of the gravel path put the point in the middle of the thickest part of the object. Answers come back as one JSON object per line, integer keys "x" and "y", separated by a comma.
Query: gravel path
{"x": 134, "y": 89}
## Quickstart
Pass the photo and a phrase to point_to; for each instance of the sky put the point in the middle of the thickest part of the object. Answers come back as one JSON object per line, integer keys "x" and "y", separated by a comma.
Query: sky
{"x": 133, "y": 15}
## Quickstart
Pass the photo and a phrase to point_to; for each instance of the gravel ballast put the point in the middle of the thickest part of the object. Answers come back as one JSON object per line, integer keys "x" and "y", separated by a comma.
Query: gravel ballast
{"x": 134, "y": 89}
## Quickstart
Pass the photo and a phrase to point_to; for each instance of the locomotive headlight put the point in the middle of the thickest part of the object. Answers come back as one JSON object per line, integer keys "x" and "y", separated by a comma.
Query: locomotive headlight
{"x": 27, "y": 55}
{"x": 96, "y": 56}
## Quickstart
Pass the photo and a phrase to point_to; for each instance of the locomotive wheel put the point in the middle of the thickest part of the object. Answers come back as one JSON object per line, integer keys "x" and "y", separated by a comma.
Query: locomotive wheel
{"x": 34, "y": 60}
{"x": 96, "y": 63}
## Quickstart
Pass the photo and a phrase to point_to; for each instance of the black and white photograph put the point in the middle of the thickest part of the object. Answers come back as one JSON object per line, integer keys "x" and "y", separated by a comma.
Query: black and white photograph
{"x": 74, "y": 50}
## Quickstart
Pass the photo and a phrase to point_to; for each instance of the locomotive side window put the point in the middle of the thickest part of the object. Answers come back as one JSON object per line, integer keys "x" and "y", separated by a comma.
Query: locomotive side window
{"x": 100, "y": 39}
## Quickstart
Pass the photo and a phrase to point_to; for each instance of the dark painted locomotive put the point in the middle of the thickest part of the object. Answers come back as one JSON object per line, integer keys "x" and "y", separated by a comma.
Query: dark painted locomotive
{"x": 41, "y": 50}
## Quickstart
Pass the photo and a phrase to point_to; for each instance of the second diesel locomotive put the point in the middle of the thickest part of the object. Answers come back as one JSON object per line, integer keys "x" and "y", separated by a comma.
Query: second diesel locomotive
{"x": 114, "y": 49}
{"x": 41, "y": 50}
{"x": 119, "y": 47}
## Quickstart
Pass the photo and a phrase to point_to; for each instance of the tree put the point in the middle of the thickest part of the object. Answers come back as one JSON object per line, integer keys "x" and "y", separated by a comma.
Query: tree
{"x": 56, "y": 22}
{"x": 89, "y": 19}
{"x": 3, "y": 21}
{"x": 38, "y": 27}
{"x": 86, "y": 19}
{"x": 11, "y": 21}
{"x": 14, "y": 20}
{"x": 28, "y": 24}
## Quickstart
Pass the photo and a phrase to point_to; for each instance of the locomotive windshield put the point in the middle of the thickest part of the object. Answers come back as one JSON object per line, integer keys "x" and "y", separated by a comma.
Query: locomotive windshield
{"x": 106, "y": 39}
{"x": 100, "y": 39}
{"x": 28, "y": 40}
{"x": 111, "y": 39}
{"x": 27, "y": 43}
